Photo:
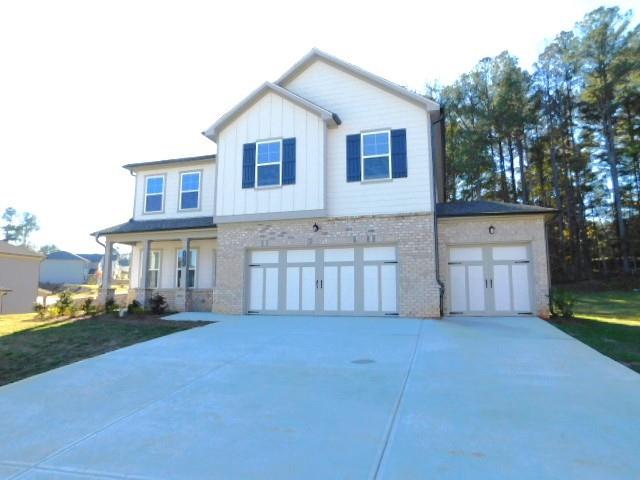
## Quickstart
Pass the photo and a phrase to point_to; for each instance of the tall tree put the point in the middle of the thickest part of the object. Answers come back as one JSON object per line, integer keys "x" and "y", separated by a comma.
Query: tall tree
{"x": 605, "y": 42}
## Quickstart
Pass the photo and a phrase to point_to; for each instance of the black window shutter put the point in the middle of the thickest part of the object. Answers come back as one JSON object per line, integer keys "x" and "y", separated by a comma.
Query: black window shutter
{"x": 249, "y": 165}
{"x": 288, "y": 161}
{"x": 353, "y": 158}
{"x": 399, "y": 153}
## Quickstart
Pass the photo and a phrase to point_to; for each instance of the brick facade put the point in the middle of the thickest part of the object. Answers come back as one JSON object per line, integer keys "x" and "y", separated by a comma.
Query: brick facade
{"x": 508, "y": 229}
{"x": 413, "y": 235}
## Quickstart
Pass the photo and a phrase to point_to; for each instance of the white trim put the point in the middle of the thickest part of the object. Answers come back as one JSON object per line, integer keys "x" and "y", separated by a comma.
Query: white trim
{"x": 279, "y": 162}
{"x": 181, "y": 191}
{"x": 363, "y": 157}
{"x": 146, "y": 185}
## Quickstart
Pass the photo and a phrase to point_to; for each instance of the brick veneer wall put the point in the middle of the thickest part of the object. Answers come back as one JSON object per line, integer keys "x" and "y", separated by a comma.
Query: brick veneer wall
{"x": 511, "y": 229}
{"x": 413, "y": 235}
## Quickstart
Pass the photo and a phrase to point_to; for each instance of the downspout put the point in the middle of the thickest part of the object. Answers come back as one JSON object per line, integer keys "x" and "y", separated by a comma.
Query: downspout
{"x": 434, "y": 196}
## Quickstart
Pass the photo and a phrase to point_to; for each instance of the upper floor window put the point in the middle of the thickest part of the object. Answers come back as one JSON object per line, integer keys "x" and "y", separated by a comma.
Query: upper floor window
{"x": 268, "y": 163}
{"x": 189, "y": 190}
{"x": 376, "y": 157}
{"x": 154, "y": 194}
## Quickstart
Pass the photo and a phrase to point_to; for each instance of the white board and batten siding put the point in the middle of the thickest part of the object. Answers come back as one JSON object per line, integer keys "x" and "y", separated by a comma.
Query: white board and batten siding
{"x": 362, "y": 106}
{"x": 271, "y": 117}
{"x": 172, "y": 191}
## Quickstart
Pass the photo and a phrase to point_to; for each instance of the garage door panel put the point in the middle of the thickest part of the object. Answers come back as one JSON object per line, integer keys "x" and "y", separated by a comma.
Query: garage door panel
{"x": 347, "y": 289}
{"x": 293, "y": 288}
{"x": 271, "y": 288}
{"x": 458, "y": 282}
{"x": 371, "y": 297}
{"x": 388, "y": 288}
{"x": 521, "y": 294}
{"x": 465, "y": 254}
{"x": 256, "y": 279}
{"x": 477, "y": 289}
{"x": 501, "y": 288}
{"x": 308, "y": 288}
{"x": 330, "y": 288}
{"x": 510, "y": 253}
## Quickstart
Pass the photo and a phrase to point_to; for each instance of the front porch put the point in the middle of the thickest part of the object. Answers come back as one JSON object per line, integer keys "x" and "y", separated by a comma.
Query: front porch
{"x": 180, "y": 265}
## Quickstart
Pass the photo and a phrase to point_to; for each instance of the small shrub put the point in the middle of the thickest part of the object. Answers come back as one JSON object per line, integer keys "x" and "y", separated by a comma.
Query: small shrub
{"x": 135, "y": 307}
{"x": 110, "y": 305}
{"x": 65, "y": 305}
{"x": 88, "y": 307}
{"x": 53, "y": 311}
{"x": 158, "y": 304}
{"x": 41, "y": 310}
{"x": 561, "y": 303}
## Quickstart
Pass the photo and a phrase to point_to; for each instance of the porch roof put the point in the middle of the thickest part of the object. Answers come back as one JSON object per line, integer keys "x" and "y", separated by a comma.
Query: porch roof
{"x": 159, "y": 225}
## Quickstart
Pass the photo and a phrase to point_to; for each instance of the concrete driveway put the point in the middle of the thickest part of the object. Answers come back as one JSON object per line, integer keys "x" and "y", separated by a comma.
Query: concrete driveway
{"x": 329, "y": 398}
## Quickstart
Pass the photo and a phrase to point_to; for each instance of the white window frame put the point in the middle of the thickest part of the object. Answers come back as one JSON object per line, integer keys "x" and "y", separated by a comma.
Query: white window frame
{"x": 279, "y": 162}
{"x": 199, "y": 190}
{"x": 195, "y": 267}
{"x": 363, "y": 157}
{"x": 157, "y": 269}
{"x": 146, "y": 184}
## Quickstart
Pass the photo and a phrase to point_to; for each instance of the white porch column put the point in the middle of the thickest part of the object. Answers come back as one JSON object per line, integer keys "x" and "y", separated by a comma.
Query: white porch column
{"x": 143, "y": 288}
{"x": 182, "y": 293}
{"x": 106, "y": 291}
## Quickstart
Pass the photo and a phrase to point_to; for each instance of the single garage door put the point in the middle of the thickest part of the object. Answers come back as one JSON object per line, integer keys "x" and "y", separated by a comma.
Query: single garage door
{"x": 332, "y": 281}
{"x": 490, "y": 280}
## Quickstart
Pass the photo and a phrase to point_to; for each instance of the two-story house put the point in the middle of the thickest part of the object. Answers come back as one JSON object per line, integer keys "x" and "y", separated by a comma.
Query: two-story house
{"x": 326, "y": 197}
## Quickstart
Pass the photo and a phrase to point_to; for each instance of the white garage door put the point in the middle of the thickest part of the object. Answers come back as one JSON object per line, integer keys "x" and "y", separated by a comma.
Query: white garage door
{"x": 339, "y": 281}
{"x": 490, "y": 279}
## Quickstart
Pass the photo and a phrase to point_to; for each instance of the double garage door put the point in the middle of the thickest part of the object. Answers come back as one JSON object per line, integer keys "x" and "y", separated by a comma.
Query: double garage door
{"x": 491, "y": 279}
{"x": 339, "y": 281}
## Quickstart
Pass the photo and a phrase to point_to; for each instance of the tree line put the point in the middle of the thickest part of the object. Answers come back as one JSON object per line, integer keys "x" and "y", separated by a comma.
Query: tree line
{"x": 563, "y": 135}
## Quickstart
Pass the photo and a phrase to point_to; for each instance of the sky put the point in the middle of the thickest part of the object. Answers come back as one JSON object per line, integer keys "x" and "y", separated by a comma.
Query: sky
{"x": 88, "y": 86}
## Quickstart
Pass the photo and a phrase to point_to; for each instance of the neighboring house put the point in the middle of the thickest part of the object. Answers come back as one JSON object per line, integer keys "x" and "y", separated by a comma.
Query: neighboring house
{"x": 64, "y": 268}
{"x": 19, "y": 270}
{"x": 327, "y": 197}
{"x": 95, "y": 260}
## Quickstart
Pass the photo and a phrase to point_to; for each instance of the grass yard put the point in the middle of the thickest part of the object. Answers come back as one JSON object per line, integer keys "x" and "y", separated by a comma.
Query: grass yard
{"x": 609, "y": 322}
{"x": 29, "y": 346}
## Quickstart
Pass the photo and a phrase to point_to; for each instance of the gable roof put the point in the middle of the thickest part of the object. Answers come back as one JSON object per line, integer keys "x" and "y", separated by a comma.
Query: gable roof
{"x": 92, "y": 257}
{"x": 267, "y": 87}
{"x": 62, "y": 255}
{"x": 487, "y": 207}
{"x": 170, "y": 161}
{"x": 18, "y": 250}
{"x": 316, "y": 54}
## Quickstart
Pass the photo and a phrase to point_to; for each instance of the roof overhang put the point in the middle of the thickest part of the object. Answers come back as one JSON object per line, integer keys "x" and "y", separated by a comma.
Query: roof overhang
{"x": 330, "y": 118}
{"x": 380, "y": 82}
{"x": 170, "y": 162}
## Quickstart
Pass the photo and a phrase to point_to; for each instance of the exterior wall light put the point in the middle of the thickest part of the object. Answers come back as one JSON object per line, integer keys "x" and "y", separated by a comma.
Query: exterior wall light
{"x": 316, "y": 227}
{"x": 492, "y": 230}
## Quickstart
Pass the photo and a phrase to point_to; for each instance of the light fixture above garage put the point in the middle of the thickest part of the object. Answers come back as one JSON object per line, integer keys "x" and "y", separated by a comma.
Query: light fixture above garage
{"x": 492, "y": 230}
{"x": 315, "y": 227}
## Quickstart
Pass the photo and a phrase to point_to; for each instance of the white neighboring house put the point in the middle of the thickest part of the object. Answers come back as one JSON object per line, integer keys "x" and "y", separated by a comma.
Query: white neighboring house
{"x": 19, "y": 270}
{"x": 327, "y": 197}
{"x": 64, "y": 268}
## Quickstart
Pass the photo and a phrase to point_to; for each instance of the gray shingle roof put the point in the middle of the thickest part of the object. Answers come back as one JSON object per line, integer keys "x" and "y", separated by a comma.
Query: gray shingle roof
{"x": 171, "y": 161}
{"x": 133, "y": 226}
{"x": 486, "y": 207}
{"x": 62, "y": 255}
{"x": 92, "y": 257}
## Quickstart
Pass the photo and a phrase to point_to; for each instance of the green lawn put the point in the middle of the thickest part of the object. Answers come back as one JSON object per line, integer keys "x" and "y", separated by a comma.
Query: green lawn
{"x": 608, "y": 322}
{"x": 29, "y": 346}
